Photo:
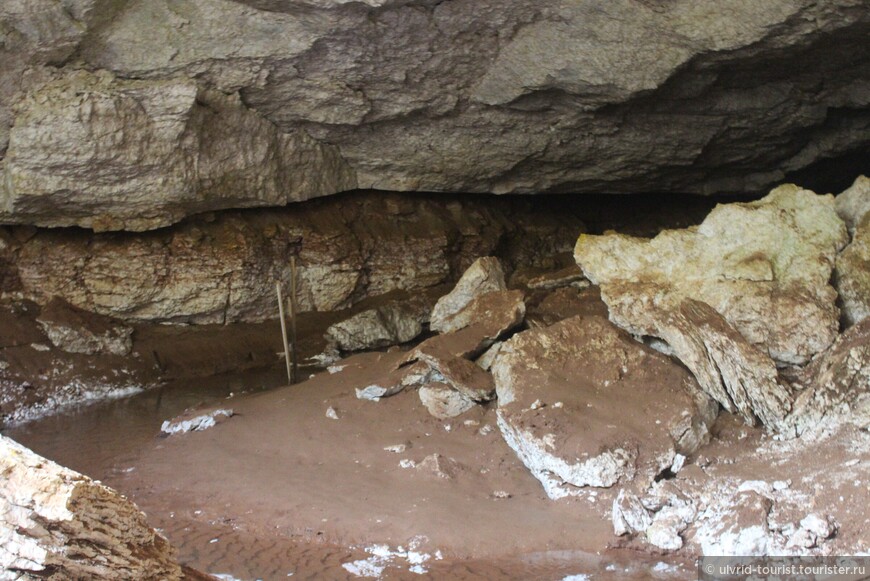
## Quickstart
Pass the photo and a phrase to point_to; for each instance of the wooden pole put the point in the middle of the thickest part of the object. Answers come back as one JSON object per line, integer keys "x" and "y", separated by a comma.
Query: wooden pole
{"x": 294, "y": 307}
{"x": 284, "y": 332}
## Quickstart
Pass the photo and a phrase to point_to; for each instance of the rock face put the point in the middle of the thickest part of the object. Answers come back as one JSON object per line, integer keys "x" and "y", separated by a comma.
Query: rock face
{"x": 224, "y": 269}
{"x": 398, "y": 95}
{"x": 582, "y": 404}
{"x": 764, "y": 266}
{"x": 94, "y": 151}
{"x": 58, "y": 523}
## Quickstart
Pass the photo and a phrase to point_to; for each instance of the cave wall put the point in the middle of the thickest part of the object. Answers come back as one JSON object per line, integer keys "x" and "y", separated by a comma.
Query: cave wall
{"x": 222, "y": 267}
{"x": 131, "y": 114}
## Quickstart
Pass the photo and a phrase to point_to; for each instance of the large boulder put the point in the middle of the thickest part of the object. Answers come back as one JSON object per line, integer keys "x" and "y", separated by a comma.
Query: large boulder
{"x": 583, "y": 404}
{"x": 765, "y": 266}
{"x": 835, "y": 388}
{"x": 393, "y": 323}
{"x": 853, "y": 264}
{"x": 92, "y": 150}
{"x": 59, "y": 524}
{"x": 854, "y": 203}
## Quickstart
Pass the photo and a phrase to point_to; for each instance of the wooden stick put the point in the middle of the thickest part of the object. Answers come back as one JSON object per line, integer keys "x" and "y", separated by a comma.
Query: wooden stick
{"x": 294, "y": 307}
{"x": 284, "y": 332}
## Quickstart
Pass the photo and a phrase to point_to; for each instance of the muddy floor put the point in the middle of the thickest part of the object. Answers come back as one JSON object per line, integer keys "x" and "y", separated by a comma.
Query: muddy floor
{"x": 388, "y": 491}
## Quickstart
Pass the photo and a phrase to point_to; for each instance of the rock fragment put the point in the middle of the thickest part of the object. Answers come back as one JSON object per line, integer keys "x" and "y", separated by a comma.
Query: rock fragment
{"x": 195, "y": 421}
{"x": 835, "y": 388}
{"x": 854, "y": 203}
{"x": 626, "y": 410}
{"x": 391, "y": 324}
{"x": 501, "y": 310}
{"x": 484, "y": 275}
{"x": 57, "y": 523}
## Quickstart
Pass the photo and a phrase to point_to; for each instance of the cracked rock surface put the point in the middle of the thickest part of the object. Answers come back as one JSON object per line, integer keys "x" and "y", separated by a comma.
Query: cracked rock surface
{"x": 461, "y": 96}
{"x": 57, "y": 522}
{"x": 582, "y": 404}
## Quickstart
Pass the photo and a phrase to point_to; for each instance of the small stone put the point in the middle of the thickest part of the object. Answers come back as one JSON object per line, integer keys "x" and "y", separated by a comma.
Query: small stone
{"x": 331, "y": 413}
{"x": 820, "y": 526}
{"x": 444, "y": 402}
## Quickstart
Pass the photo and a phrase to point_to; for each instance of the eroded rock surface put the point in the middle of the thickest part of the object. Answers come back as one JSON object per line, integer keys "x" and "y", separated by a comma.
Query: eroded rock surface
{"x": 394, "y": 323}
{"x": 707, "y": 97}
{"x": 95, "y": 151}
{"x": 764, "y": 266}
{"x": 222, "y": 269}
{"x": 582, "y": 404}
{"x": 58, "y": 523}
{"x": 853, "y": 273}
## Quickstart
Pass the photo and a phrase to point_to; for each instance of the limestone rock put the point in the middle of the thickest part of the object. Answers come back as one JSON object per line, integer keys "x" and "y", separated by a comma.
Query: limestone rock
{"x": 764, "y": 266}
{"x": 853, "y": 272}
{"x": 223, "y": 268}
{"x": 626, "y": 410}
{"x": 629, "y": 515}
{"x": 741, "y": 531}
{"x": 854, "y": 203}
{"x": 459, "y": 373}
{"x": 730, "y": 370}
{"x": 501, "y": 310}
{"x": 484, "y": 275}
{"x": 77, "y": 331}
{"x": 568, "y": 276}
{"x": 390, "y": 324}
{"x": 521, "y": 97}
{"x": 444, "y": 402}
{"x": 836, "y": 386}
{"x": 59, "y": 523}
{"x": 71, "y": 160}
{"x": 195, "y": 421}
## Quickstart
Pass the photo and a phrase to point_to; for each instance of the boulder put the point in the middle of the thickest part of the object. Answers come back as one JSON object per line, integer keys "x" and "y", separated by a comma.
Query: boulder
{"x": 484, "y": 275}
{"x": 852, "y": 276}
{"x": 60, "y": 524}
{"x": 835, "y": 388}
{"x": 854, "y": 203}
{"x": 75, "y": 330}
{"x": 501, "y": 310}
{"x": 394, "y": 323}
{"x": 71, "y": 162}
{"x": 583, "y": 404}
{"x": 765, "y": 266}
